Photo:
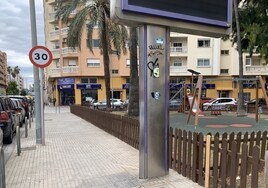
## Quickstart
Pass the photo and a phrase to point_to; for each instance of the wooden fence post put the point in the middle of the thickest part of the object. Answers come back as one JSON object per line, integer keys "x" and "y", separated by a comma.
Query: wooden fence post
{"x": 266, "y": 168}
{"x": 207, "y": 170}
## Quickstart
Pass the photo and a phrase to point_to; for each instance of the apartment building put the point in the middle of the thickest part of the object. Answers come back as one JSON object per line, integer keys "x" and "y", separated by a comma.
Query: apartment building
{"x": 76, "y": 76}
{"x": 217, "y": 61}
{"x": 3, "y": 72}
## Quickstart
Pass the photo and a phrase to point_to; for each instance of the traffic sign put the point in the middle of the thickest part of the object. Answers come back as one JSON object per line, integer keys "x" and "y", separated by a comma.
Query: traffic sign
{"x": 40, "y": 56}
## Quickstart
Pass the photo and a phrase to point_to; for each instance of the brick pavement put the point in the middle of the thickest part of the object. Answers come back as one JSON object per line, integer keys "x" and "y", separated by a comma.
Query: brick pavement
{"x": 78, "y": 154}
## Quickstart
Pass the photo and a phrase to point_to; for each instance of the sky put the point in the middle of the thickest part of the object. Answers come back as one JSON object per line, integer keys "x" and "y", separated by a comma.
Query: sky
{"x": 15, "y": 34}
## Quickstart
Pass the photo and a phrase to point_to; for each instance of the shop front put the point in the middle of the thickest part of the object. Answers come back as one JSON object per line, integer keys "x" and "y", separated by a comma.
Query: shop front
{"x": 66, "y": 91}
{"x": 89, "y": 92}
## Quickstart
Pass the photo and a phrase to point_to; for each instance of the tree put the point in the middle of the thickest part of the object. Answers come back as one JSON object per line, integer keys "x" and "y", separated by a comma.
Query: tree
{"x": 240, "y": 110}
{"x": 12, "y": 88}
{"x": 133, "y": 107}
{"x": 23, "y": 92}
{"x": 13, "y": 72}
{"x": 251, "y": 22}
{"x": 97, "y": 13}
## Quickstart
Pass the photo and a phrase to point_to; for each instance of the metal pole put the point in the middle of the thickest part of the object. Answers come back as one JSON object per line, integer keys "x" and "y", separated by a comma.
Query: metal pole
{"x": 26, "y": 127}
{"x": 18, "y": 140}
{"x": 37, "y": 97}
{"x": 42, "y": 104}
{"x": 2, "y": 163}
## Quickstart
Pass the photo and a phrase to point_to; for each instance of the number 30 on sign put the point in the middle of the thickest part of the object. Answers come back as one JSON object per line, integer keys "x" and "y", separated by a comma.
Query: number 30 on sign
{"x": 40, "y": 56}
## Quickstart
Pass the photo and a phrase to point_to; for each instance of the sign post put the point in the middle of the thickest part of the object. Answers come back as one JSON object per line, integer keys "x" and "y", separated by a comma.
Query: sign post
{"x": 156, "y": 18}
{"x": 41, "y": 57}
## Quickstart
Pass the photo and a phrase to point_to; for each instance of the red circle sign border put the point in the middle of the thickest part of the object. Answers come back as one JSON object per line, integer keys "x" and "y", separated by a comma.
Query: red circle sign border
{"x": 49, "y": 54}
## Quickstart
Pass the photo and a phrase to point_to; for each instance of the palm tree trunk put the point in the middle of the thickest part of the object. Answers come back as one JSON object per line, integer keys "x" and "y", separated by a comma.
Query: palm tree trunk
{"x": 106, "y": 62}
{"x": 133, "y": 107}
{"x": 240, "y": 109}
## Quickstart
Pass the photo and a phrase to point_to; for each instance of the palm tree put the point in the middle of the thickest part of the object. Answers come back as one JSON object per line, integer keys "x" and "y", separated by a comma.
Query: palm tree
{"x": 93, "y": 14}
{"x": 9, "y": 70}
{"x": 133, "y": 107}
{"x": 240, "y": 110}
{"x": 16, "y": 71}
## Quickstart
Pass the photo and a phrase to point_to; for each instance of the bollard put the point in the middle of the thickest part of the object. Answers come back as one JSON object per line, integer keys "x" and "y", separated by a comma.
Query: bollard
{"x": 2, "y": 163}
{"x": 30, "y": 120}
{"x": 18, "y": 141}
{"x": 26, "y": 127}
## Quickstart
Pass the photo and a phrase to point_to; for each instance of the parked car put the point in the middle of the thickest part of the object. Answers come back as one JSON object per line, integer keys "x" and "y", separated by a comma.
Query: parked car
{"x": 115, "y": 103}
{"x": 20, "y": 110}
{"x": 175, "y": 103}
{"x": 8, "y": 118}
{"x": 223, "y": 103}
{"x": 25, "y": 102}
{"x": 252, "y": 102}
{"x": 125, "y": 103}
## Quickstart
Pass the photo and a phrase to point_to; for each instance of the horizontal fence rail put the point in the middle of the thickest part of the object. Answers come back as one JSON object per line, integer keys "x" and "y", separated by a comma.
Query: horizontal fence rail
{"x": 227, "y": 160}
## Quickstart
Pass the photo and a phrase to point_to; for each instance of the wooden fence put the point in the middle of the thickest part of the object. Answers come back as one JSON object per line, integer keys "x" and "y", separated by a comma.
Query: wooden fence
{"x": 211, "y": 161}
{"x": 218, "y": 161}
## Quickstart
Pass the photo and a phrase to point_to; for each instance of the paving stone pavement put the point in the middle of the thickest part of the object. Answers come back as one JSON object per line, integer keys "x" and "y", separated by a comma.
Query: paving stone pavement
{"x": 77, "y": 154}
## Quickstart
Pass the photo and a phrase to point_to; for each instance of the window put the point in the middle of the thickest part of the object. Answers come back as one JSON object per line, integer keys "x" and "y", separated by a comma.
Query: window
{"x": 177, "y": 44}
{"x": 72, "y": 62}
{"x": 177, "y": 63}
{"x": 114, "y": 52}
{"x": 57, "y": 64}
{"x": 89, "y": 80}
{"x": 248, "y": 61}
{"x": 96, "y": 43}
{"x": 114, "y": 71}
{"x": 224, "y": 71}
{"x": 128, "y": 62}
{"x": 93, "y": 63}
{"x": 203, "y": 62}
{"x": 224, "y": 52}
{"x": 203, "y": 43}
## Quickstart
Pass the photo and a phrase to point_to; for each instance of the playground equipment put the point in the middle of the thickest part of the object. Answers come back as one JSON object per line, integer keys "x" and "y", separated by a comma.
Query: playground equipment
{"x": 197, "y": 94}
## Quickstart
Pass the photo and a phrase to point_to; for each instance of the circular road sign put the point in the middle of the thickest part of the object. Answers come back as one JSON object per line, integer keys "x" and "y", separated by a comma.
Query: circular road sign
{"x": 40, "y": 56}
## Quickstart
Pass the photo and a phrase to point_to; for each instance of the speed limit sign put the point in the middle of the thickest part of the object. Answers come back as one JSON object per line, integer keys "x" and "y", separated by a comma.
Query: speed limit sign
{"x": 40, "y": 56}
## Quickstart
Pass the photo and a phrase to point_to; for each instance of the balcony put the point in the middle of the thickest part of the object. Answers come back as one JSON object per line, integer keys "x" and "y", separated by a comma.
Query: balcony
{"x": 64, "y": 31}
{"x": 51, "y": 2}
{"x": 178, "y": 51}
{"x": 178, "y": 70}
{"x": 52, "y": 17}
{"x": 70, "y": 70}
{"x": 54, "y": 72}
{"x": 69, "y": 51}
{"x": 256, "y": 70}
{"x": 54, "y": 35}
{"x": 55, "y": 53}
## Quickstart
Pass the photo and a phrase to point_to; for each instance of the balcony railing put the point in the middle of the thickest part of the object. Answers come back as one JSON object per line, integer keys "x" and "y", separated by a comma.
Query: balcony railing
{"x": 256, "y": 70}
{"x": 64, "y": 31}
{"x": 70, "y": 70}
{"x": 178, "y": 50}
{"x": 55, "y": 53}
{"x": 54, "y": 33}
{"x": 52, "y": 16}
{"x": 176, "y": 70}
{"x": 54, "y": 72}
{"x": 69, "y": 50}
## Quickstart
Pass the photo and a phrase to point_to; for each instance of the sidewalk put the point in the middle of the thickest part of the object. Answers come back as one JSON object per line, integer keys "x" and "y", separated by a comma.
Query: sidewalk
{"x": 80, "y": 155}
